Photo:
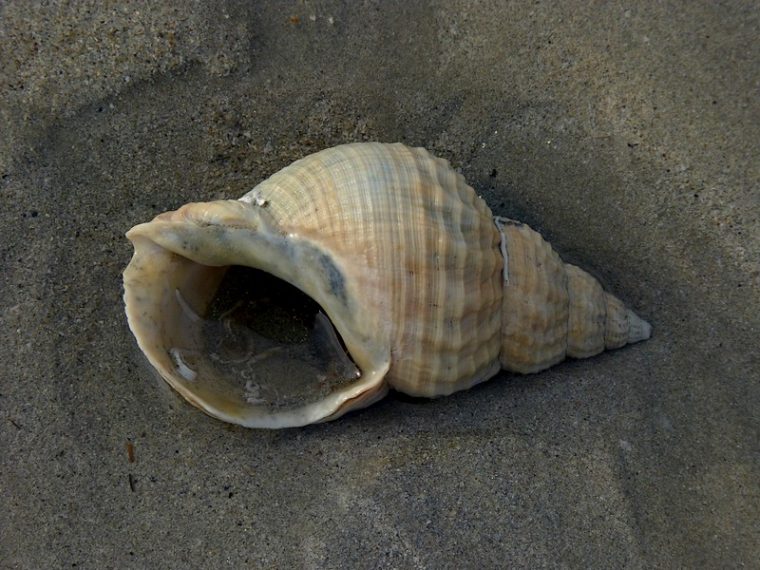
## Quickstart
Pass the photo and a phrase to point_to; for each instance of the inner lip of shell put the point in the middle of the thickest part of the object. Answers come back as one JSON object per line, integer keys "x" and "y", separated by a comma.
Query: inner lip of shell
{"x": 260, "y": 340}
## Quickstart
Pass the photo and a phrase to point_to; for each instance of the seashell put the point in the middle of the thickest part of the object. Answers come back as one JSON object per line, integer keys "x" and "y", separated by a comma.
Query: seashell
{"x": 405, "y": 278}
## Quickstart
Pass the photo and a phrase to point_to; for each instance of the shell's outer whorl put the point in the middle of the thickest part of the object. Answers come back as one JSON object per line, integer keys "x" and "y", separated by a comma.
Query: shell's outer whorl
{"x": 420, "y": 245}
{"x": 394, "y": 246}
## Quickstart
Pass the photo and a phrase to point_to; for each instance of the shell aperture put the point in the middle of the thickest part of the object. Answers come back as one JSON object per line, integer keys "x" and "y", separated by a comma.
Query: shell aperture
{"x": 264, "y": 338}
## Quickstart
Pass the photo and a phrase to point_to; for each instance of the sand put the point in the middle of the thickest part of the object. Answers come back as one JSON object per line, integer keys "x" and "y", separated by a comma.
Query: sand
{"x": 626, "y": 133}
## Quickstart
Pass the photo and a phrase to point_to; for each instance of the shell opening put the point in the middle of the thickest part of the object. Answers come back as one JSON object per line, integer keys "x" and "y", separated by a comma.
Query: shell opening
{"x": 256, "y": 339}
{"x": 251, "y": 324}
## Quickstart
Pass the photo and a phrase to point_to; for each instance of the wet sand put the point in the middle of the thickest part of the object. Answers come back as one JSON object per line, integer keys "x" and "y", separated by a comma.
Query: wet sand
{"x": 628, "y": 135}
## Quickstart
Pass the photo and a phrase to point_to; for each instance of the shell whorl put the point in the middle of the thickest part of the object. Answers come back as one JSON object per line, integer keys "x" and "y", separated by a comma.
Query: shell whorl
{"x": 421, "y": 243}
{"x": 552, "y": 310}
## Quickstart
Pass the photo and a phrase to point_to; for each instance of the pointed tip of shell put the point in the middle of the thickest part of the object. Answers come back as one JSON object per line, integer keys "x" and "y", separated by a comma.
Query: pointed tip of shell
{"x": 638, "y": 328}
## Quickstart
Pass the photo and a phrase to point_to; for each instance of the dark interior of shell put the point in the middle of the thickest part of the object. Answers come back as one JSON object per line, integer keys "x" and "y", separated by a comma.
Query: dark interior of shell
{"x": 266, "y": 340}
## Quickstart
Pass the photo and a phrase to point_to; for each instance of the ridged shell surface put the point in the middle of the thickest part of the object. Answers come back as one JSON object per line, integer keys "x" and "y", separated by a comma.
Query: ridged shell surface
{"x": 422, "y": 289}
{"x": 420, "y": 242}
{"x": 552, "y": 310}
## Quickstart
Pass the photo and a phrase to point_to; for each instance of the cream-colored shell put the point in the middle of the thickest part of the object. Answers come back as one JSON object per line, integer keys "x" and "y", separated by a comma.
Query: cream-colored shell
{"x": 552, "y": 310}
{"x": 430, "y": 294}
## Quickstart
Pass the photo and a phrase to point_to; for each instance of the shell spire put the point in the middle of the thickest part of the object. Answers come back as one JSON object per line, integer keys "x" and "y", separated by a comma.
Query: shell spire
{"x": 354, "y": 270}
{"x": 552, "y": 310}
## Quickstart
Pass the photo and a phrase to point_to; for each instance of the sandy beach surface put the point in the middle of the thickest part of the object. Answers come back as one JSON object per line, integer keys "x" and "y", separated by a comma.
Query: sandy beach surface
{"x": 627, "y": 133}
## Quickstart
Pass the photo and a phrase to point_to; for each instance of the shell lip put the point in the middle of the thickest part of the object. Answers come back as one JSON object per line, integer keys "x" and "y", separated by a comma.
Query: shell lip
{"x": 168, "y": 245}
{"x": 368, "y": 390}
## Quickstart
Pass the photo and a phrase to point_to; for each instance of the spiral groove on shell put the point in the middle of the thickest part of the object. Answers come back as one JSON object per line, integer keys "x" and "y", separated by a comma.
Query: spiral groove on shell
{"x": 428, "y": 293}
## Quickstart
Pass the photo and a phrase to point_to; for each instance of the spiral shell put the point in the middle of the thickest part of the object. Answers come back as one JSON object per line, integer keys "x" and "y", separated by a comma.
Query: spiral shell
{"x": 427, "y": 292}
